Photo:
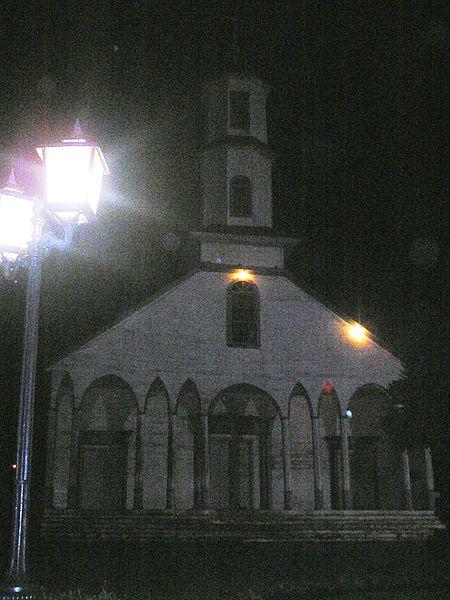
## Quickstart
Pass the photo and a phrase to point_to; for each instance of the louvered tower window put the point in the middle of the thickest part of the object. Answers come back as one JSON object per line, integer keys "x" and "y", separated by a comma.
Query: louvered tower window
{"x": 240, "y": 198}
{"x": 243, "y": 315}
{"x": 240, "y": 111}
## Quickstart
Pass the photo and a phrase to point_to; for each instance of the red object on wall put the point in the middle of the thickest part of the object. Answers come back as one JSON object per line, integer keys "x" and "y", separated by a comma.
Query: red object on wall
{"x": 327, "y": 388}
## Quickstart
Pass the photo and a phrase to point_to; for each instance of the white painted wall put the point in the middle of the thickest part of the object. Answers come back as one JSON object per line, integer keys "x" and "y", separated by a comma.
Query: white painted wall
{"x": 241, "y": 254}
{"x": 182, "y": 334}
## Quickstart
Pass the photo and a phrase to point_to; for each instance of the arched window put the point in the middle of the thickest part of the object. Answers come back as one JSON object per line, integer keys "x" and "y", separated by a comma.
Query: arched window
{"x": 241, "y": 198}
{"x": 243, "y": 315}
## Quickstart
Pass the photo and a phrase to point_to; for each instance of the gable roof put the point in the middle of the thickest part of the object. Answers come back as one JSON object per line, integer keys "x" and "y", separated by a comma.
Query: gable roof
{"x": 209, "y": 267}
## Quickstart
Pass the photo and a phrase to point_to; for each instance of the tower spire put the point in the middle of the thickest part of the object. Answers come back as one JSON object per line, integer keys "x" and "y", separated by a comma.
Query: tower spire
{"x": 233, "y": 51}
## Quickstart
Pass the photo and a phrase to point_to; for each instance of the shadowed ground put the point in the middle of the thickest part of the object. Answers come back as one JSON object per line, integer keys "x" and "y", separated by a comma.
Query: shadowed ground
{"x": 209, "y": 570}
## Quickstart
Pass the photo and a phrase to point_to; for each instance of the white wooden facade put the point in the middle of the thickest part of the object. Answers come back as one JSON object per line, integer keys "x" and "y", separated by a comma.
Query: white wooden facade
{"x": 162, "y": 413}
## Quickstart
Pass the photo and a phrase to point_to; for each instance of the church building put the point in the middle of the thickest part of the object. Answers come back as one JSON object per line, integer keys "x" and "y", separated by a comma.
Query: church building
{"x": 233, "y": 403}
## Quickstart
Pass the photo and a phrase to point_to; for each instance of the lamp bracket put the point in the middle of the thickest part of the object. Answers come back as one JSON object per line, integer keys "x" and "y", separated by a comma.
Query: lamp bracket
{"x": 50, "y": 240}
{"x": 11, "y": 268}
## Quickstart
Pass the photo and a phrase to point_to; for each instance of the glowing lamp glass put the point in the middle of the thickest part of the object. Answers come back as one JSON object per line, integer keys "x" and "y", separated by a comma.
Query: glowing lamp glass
{"x": 16, "y": 222}
{"x": 242, "y": 275}
{"x": 357, "y": 333}
{"x": 74, "y": 172}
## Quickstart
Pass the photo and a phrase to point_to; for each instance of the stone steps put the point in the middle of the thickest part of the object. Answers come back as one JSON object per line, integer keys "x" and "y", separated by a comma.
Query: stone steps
{"x": 260, "y": 526}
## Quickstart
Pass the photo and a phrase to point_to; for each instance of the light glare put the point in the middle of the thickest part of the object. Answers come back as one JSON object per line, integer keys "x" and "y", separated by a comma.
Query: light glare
{"x": 16, "y": 222}
{"x": 357, "y": 332}
{"x": 242, "y": 275}
{"x": 73, "y": 177}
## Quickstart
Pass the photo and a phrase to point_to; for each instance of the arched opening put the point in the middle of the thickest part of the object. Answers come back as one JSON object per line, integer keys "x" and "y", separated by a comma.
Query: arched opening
{"x": 329, "y": 413}
{"x": 301, "y": 450}
{"x": 240, "y": 198}
{"x": 374, "y": 464}
{"x": 107, "y": 445}
{"x": 241, "y": 433}
{"x": 243, "y": 316}
{"x": 189, "y": 448}
{"x": 155, "y": 446}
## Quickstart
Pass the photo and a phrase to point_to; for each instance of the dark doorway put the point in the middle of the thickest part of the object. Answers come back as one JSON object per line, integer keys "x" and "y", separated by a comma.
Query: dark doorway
{"x": 239, "y": 469}
{"x": 364, "y": 478}
{"x": 334, "y": 461}
{"x": 103, "y": 462}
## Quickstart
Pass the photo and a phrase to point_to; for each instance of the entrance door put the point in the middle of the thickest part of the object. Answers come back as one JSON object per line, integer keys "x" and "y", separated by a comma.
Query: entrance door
{"x": 335, "y": 471}
{"x": 234, "y": 471}
{"x": 238, "y": 451}
{"x": 363, "y": 461}
{"x": 103, "y": 470}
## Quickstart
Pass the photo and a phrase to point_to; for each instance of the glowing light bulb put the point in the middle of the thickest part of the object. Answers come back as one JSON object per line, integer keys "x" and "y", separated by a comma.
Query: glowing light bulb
{"x": 357, "y": 333}
{"x": 242, "y": 275}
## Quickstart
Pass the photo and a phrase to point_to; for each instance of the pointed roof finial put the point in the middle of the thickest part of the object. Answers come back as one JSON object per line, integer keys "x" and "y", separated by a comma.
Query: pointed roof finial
{"x": 77, "y": 135}
{"x": 233, "y": 50}
{"x": 77, "y": 132}
{"x": 11, "y": 179}
{"x": 12, "y": 182}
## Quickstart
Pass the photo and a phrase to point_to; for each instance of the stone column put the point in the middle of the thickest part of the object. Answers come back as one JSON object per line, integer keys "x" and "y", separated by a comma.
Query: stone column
{"x": 268, "y": 470}
{"x": 407, "y": 480}
{"x": 170, "y": 498}
{"x": 346, "y": 480}
{"x": 286, "y": 456}
{"x": 430, "y": 479}
{"x": 138, "y": 503}
{"x": 251, "y": 460}
{"x": 318, "y": 482}
{"x": 74, "y": 465}
{"x": 50, "y": 462}
{"x": 204, "y": 494}
{"x": 265, "y": 463}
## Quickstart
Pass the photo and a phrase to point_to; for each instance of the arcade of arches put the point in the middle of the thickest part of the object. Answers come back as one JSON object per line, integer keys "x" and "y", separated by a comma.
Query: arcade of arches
{"x": 243, "y": 452}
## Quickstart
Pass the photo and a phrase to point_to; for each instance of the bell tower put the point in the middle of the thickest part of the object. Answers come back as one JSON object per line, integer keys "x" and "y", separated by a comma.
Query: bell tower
{"x": 236, "y": 161}
{"x": 236, "y": 175}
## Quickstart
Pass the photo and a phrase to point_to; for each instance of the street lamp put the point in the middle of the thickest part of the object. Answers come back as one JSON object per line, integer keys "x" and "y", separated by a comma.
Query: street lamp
{"x": 73, "y": 171}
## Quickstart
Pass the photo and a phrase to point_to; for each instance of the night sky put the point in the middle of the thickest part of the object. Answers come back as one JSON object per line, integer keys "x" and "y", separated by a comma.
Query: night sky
{"x": 356, "y": 119}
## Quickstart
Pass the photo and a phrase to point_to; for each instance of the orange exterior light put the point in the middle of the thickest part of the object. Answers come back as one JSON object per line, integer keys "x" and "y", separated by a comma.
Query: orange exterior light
{"x": 357, "y": 333}
{"x": 242, "y": 275}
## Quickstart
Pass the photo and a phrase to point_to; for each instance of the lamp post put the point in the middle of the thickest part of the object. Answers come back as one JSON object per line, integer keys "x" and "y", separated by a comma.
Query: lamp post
{"x": 73, "y": 172}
